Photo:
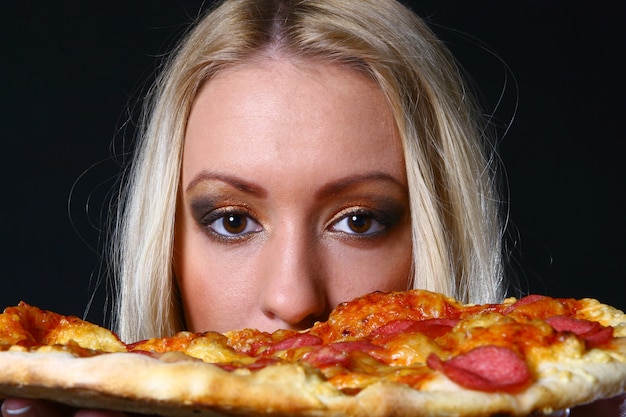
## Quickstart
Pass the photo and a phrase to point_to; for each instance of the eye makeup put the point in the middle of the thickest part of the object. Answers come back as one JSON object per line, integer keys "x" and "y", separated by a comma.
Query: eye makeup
{"x": 361, "y": 212}
{"x": 209, "y": 210}
{"x": 383, "y": 215}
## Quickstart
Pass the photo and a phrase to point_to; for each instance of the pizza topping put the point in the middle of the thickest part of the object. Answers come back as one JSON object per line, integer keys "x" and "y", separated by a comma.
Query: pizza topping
{"x": 254, "y": 342}
{"x": 599, "y": 337}
{"x": 297, "y": 341}
{"x": 541, "y": 307}
{"x": 570, "y": 324}
{"x": 252, "y": 366}
{"x": 593, "y": 333}
{"x": 362, "y": 316}
{"x": 430, "y": 327}
{"x": 31, "y": 327}
{"x": 327, "y": 355}
{"x": 408, "y": 349}
{"x": 486, "y": 368}
{"x": 401, "y": 337}
{"x": 178, "y": 342}
{"x": 529, "y": 299}
{"x": 357, "y": 345}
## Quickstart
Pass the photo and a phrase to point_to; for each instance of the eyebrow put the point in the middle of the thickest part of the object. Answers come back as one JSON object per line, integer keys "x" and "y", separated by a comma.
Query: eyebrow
{"x": 238, "y": 183}
{"x": 328, "y": 189}
{"x": 337, "y": 186}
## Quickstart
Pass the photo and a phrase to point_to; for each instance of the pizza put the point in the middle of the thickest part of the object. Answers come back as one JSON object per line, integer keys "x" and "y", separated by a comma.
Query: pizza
{"x": 413, "y": 353}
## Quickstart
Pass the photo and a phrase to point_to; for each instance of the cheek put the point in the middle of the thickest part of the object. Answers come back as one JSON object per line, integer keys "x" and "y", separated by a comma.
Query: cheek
{"x": 198, "y": 282}
{"x": 215, "y": 285}
{"x": 355, "y": 272}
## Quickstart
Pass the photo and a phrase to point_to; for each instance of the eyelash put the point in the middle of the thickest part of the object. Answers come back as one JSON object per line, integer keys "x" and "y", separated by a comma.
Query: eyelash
{"x": 210, "y": 221}
{"x": 379, "y": 221}
{"x": 381, "y": 225}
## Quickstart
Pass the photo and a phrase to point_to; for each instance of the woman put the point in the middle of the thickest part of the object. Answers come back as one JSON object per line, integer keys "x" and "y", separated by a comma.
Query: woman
{"x": 296, "y": 155}
{"x": 453, "y": 206}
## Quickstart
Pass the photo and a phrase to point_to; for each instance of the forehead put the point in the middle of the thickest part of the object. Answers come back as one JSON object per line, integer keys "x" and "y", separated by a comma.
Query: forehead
{"x": 322, "y": 115}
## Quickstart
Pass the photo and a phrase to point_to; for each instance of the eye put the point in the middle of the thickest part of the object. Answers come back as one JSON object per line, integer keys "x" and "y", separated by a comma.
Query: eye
{"x": 234, "y": 225}
{"x": 358, "y": 224}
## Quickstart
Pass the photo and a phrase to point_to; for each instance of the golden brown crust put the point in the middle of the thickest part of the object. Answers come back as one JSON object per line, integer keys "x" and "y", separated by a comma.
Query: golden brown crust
{"x": 245, "y": 373}
{"x": 140, "y": 383}
{"x": 137, "y": 383}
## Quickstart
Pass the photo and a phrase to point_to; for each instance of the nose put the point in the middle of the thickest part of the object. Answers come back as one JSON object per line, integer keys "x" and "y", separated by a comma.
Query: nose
{"x": 293, "y": 293}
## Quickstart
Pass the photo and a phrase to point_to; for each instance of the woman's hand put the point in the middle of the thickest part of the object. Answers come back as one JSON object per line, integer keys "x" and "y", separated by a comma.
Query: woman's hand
{"x": 18, "y": 407}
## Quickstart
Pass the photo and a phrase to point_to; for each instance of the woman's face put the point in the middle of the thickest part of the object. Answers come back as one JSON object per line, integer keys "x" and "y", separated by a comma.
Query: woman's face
{"x": 293, "y": 197}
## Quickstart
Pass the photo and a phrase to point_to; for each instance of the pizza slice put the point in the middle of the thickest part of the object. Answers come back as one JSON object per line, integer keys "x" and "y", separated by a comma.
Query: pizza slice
{"x": 412, "y": 353}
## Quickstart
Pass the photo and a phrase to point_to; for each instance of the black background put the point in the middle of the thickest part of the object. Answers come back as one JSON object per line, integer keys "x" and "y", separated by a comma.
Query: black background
{"x": 73, "y": 73}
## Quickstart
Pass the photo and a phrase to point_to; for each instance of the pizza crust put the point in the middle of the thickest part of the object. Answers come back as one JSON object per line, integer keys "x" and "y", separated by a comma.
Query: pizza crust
{"x": 560, "y": 385}
{"x": 565, "y": 372}
{"x": 138, "y": 383}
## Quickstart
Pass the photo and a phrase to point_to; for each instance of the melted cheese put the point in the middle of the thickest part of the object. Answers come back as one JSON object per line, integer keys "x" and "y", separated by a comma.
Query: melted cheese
{"x": 363, "y": 357}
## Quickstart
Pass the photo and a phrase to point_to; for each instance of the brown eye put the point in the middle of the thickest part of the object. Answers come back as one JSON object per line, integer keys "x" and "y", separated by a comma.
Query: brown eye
{"x": 234, "y": 225}
{"x": 358, "y": 224}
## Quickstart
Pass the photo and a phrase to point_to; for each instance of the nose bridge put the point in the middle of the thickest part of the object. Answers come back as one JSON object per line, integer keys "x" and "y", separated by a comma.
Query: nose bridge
{"x": 297, "y": 244}
{"x": 293, "y": 285}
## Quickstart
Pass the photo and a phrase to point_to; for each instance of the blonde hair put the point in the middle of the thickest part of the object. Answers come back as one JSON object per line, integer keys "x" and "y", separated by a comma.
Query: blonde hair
{"x": 456, "y": 227}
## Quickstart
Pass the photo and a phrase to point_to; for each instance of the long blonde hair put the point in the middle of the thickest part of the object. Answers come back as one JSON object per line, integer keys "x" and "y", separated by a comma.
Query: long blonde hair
{"x": 454, "y": 206}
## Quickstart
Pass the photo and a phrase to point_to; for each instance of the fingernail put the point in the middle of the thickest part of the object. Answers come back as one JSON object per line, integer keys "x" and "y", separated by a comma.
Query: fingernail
{"x": 17, "y": 411}
{"x": 15, "y": 407}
